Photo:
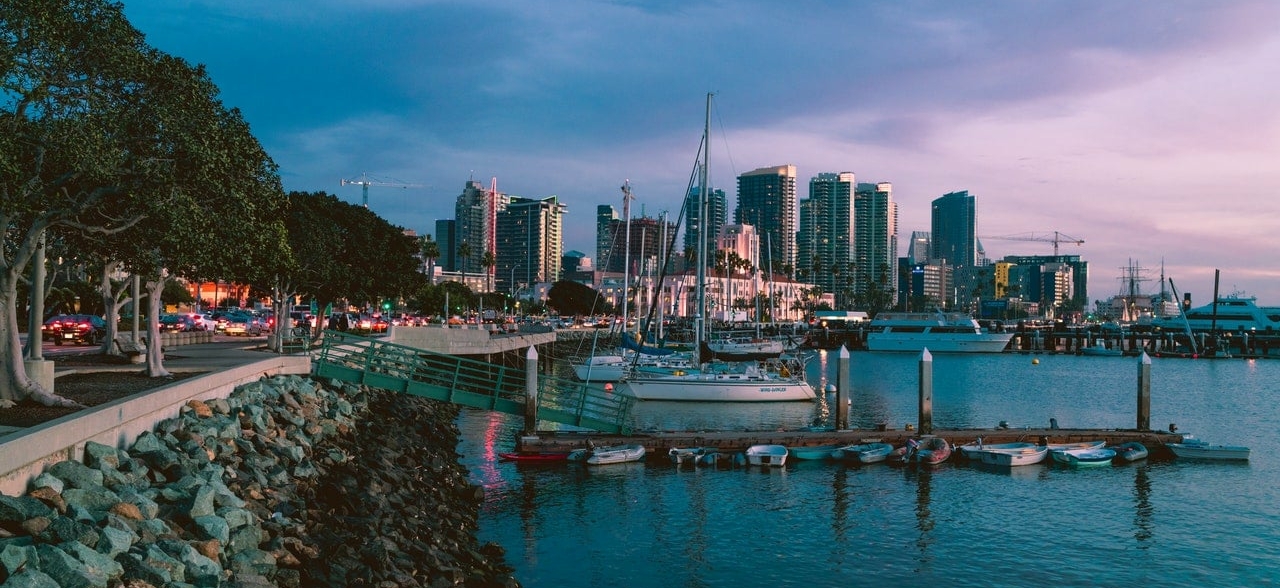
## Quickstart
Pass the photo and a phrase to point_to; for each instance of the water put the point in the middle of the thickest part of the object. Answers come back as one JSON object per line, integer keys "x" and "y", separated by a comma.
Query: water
{"x": 1175, "y": 523}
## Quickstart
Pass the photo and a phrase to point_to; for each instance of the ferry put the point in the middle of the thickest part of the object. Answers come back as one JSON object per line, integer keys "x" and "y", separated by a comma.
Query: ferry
{"x": 1233, "y": 313}
{"x": 940, "y": 332}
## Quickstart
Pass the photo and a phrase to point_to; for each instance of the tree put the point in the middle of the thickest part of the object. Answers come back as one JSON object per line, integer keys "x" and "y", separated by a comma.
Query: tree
{"x": 82, "y": 142}
{"x": 464, "y": 259}
{"x": 572, "y": 298}
{"x": 430, "y": 253}
{"x": 487, "y": 261}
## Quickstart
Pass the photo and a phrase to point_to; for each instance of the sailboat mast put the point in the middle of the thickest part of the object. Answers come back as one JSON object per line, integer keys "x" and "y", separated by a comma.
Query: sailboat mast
{"x": 626, "y": 254}
{"x": 700, "y": 312}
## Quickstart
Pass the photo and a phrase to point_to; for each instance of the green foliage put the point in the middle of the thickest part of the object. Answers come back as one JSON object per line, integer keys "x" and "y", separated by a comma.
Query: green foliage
{"x": 572, "y": 298}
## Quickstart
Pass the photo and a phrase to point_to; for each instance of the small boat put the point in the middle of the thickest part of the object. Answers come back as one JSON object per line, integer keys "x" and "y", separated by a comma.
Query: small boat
{"x": 928, "y": 450}
{"x": 871, "y": 452}
{"x": 972, "y": 449}
{"x": 689, "y": 455}
{"x": 812, "y": 452}
{"x": 606, "y": 455}
{"x": 1100, "y": 349}
{"x": 535, "y": 456}
{"x": 1013, "y": 457}
{"x": 1098, "y": 456}
{"x": 1130, "y": 451}
{"x": 1192, "y": 448}
{"x": 767, "y": 455}
{"x": 1098, "y": 444}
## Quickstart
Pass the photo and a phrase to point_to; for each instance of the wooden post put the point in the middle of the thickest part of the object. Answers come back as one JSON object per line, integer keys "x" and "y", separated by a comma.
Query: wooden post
{"x": 925, "y": 423}
{"x": 531, "y": 391}
{"x": 842, "y": 390}
{"x": 1144, "y": 392}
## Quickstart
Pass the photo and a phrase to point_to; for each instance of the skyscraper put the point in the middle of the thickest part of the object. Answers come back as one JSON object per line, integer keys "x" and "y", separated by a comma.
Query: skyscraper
{"x": 952, "y": 230}
{"x": 767, "y": 201}
{"x": 824, "y": 244}
{"x": 605, "y": 215}
{"x": 875, "y": 243}
{"x": 447, "y": 240}
{"x": 530, "y": 242}
{"x": 475, "y": 211}
{"x": 717, "y": 212}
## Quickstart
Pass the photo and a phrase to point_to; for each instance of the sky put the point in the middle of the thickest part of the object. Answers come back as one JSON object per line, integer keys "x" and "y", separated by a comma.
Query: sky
{"x": 1148, "y": 130}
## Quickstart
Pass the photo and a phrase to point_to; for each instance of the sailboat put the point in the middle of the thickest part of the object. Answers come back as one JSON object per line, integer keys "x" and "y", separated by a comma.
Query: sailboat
{"x": 717, "y": 381}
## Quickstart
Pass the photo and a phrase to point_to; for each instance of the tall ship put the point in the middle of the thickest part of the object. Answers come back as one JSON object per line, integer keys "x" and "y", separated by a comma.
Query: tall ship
{"x": 940, "y": 332}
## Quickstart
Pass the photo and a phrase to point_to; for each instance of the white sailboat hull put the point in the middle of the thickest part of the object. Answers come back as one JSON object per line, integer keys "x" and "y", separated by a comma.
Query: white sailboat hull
{"x": 699, "y": 387}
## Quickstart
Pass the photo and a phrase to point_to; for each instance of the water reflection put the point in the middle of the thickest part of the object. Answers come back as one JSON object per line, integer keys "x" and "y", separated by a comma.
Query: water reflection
{"x": 1143, "y": 526}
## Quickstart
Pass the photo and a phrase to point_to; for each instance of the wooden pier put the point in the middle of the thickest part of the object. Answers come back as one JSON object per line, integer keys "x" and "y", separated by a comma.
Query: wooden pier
{"x": 658, "y": 443}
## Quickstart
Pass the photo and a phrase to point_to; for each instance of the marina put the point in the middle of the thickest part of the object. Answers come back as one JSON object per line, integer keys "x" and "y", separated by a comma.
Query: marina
{"x": 874, "y": 525}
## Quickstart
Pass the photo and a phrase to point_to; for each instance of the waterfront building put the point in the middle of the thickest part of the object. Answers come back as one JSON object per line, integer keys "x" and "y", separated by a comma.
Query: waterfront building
{"x": 475, "y": 212}
{"x": 767, "y": 201}
{"x": 530, "y": 236}
{"x": 447, "y": 240}
{"x": 824, "y": 247}
{"x": 952, "y": 230}
{"x": 875, "y": 242}
{"x": 717, "y": 215}
{"x": 646, "y": 245}
{"x": 1049, "y": 280}
{"x": 605, "y": 215}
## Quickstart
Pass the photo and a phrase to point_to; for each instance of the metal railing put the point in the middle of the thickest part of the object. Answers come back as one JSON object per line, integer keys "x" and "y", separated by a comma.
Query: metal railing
{"x": 467, "y": 382}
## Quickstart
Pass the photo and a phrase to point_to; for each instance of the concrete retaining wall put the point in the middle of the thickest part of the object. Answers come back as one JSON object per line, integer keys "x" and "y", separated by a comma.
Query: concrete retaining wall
{"x": 469, "y": 341}
{"x": 25, "y": 454}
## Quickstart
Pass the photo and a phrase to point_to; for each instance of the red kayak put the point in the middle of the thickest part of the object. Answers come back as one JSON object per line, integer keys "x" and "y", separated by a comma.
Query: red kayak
{"x": 536, "y": 456}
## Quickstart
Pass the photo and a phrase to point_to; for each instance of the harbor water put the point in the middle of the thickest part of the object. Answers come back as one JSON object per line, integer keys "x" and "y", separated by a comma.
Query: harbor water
{"x": 1166, "y": 522}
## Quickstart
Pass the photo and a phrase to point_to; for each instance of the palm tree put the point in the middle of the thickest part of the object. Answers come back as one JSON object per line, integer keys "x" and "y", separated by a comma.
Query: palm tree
{"x": 464, "y": 255}
{"x": 487, "y": 261}
{"x": 430, "y": 253}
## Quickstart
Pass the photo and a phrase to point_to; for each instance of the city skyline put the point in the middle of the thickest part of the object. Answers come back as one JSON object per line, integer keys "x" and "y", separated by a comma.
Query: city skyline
{"x": 1148, "y": 131}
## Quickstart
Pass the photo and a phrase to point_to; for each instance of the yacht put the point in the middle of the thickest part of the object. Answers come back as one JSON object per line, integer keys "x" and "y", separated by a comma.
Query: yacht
{"x": 1232, "y": 313}
{"x": 940, "y": 332}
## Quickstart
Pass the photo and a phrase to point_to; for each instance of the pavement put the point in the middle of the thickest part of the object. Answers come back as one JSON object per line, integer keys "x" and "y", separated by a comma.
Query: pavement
{"x": 199, "y": 357}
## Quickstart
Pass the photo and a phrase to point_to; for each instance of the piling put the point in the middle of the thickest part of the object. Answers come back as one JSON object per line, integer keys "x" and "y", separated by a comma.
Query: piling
{"x": 531, "y": 390}
{"x": 925, "y": 422}
{"x": 842, "y": 390}
{"x": 1144, "y": 392}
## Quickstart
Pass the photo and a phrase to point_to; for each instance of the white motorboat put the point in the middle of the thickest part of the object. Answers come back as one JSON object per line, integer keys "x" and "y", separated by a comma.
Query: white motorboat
{"x": 939, "y": 332}
{"x": 1192, "y": 448}
{"x": 610, "y": 454}
{"x": 767, "y": 455}
{"x": 1229, "y": 313}
{"x": 972, "y": 450}
{"x": 1087, "y": 457}
{"x": 869, "y": 452}
{"x": 1100, "y": 348}
{"x": 1013, "y": 457}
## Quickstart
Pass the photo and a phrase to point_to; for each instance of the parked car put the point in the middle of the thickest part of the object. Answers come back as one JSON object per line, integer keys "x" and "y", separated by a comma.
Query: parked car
{"x": 77, "y": 329}
{"x": 179, "y": 323}
{"x": 243, "y": 325}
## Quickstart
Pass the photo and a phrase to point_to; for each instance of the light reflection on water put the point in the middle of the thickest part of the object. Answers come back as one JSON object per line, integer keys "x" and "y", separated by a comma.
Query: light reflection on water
{"x": 821, "y": 524}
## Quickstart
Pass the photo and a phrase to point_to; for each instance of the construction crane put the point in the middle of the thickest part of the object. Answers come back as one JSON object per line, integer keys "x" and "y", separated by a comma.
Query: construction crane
{"x": 364, "y": 182}
{"x": 1056, "y": 239}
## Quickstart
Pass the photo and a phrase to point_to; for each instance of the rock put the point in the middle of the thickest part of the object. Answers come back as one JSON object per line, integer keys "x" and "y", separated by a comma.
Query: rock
{"x": 76, "y": 474}
{"x": 200, "y": 409}
{"x": 99, "y": 456}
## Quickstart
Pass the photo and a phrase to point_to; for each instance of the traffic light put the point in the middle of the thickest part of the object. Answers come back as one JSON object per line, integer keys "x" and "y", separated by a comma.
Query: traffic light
{"x": 386, "y": 305}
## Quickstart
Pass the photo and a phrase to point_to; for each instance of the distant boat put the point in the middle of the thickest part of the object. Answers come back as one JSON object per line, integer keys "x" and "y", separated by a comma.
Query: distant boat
{"x": 1130, "y": 451}
{"x": 1192, "y": 448}
{"x": 812, "y": 452}
{"x": 870, "y": 452}
{"x": 1089, "y": 457}
{"x": 940, "y": 332}
{"x": 767, "y": 455}
{"x": 1100, "y": 348}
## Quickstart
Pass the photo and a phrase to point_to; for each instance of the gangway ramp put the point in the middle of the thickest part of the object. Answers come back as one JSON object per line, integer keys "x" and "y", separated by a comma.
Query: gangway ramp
{"x": 468, "y": 382}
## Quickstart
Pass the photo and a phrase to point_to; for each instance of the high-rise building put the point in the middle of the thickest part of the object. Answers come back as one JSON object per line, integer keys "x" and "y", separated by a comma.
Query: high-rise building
{"x": 875, "y": 242}
{"x": 767, "y": 201}
{"x": 918, "y": 248}
{"x": 646, "y": 245}
{"x": 717, "y": 212}
{"x": 954, "y": 241}
{"x": 530, "y": 235}
{"x": 824, "y": 243}
{"x": 476, "y": 211}
{"x": 605, "y": 215}
{"x": 447, "y": 240}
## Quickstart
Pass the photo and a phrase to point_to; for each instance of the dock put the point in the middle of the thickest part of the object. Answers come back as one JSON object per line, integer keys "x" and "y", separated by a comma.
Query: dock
{"x": 658, "y": 443}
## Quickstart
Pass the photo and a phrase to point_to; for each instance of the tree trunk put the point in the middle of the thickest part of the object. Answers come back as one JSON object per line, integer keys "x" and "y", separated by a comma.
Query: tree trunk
{"x": 15, "y": 385}
{"x": 155, "y": 352}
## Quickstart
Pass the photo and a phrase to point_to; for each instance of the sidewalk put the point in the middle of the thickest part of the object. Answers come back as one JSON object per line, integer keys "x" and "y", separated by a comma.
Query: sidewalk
{"x": 200, "y": 357}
